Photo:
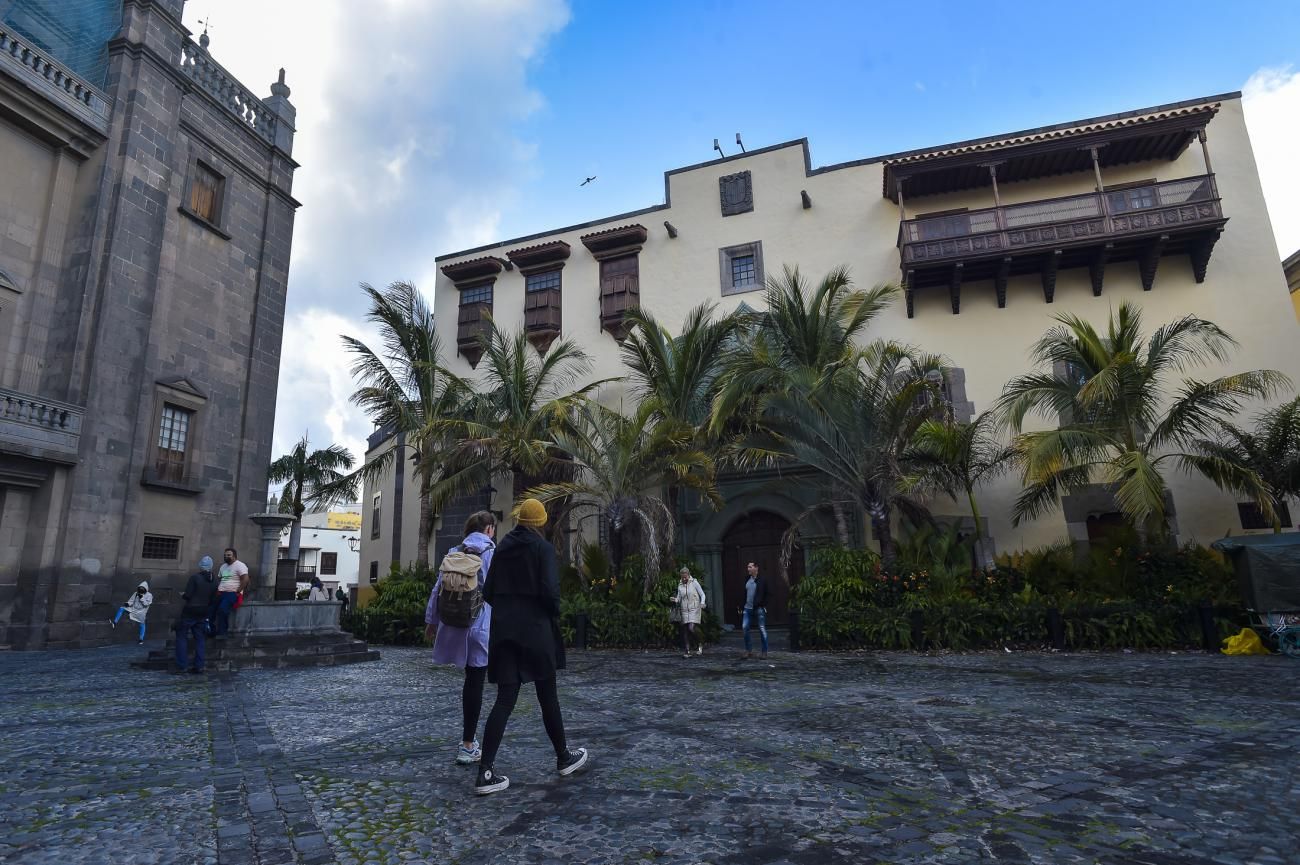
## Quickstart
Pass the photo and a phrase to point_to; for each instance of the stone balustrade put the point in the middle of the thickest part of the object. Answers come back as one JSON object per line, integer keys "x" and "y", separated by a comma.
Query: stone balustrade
{"x": 41, "y": 428}
{"x": 212, "y": 78}
{"x": 51, "y": 78}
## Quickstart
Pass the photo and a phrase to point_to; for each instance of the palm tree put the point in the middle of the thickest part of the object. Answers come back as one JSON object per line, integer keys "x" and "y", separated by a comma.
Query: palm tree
{"x": 957, "y": 457}
{"x": 802, "y": 342}
{"x": 403, "y": 387}
{"x": 523, "y": 401}
{"x": 1271, "y": 450}
{"x": 619, "y": 464}
{"x": 676, "y": 376}
{"x": 311, "y": 478}
{"x": 1117, "y": 429}
{"x": 855, "y": 433}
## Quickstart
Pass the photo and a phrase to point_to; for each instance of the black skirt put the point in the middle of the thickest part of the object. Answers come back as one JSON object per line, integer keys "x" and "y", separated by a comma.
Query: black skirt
{"x": 510, "y": 664}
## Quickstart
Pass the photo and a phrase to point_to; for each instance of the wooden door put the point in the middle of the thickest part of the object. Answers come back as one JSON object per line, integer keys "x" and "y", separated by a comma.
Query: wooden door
{"x": 756, "y": 537}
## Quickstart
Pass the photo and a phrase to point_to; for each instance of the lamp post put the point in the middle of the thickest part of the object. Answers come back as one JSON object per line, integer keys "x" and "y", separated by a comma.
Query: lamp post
{"x": 354, "y": 544}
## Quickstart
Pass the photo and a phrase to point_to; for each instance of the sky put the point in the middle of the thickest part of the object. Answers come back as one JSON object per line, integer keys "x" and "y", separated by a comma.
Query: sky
{"x": 431, "y": 126}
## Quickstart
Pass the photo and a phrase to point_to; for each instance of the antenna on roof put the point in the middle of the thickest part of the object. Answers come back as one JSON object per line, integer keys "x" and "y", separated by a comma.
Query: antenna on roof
{"x": 718, "y": 148}
{"x": 741, "y": 143}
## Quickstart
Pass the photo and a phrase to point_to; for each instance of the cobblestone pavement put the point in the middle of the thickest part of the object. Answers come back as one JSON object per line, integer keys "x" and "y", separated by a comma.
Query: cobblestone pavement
{"x": 1028, "y": 758}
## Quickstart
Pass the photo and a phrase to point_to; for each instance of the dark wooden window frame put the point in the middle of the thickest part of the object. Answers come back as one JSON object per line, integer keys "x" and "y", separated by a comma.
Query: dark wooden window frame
{"x": 618, "y": 251}
{"x": 377, "y": 513}
{"x": 542, "y": 267}
{"x": 374, "y": 573}
{"x": 163, "y": 470}
{"x": 1251, "y": 518}
{"x": 329, "y": 564}
{"x": 475, "y": 280}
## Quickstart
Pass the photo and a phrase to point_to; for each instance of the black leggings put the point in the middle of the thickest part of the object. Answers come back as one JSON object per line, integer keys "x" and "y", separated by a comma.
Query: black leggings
{"x": 495, "y": 729}
{"x": 471, "y": 700}
{"x": 688, "y": 631}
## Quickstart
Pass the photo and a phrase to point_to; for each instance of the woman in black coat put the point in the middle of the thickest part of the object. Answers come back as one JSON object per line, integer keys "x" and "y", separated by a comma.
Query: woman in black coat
{"x": 524, "y": 644}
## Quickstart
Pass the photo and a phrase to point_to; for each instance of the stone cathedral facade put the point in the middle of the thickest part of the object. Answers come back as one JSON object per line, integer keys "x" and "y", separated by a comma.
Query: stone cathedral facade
{"x": 146, "y": 218}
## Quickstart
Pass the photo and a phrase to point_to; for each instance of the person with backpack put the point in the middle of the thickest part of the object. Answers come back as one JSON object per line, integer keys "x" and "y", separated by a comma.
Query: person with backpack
{"x": 524, "y": 644}
{"x": 461, "y": 620}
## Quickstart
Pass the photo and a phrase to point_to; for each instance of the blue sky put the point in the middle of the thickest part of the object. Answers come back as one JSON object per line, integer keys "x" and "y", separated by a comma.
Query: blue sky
{"x": 634, "y": 89}
{"x": 431, "y": 126}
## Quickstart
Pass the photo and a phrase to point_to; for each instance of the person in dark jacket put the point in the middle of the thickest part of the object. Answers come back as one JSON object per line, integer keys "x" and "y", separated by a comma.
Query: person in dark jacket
{"x": 755, "y": 611}
{"x": 199, "y": 595}
{"x": 524, "y": 643}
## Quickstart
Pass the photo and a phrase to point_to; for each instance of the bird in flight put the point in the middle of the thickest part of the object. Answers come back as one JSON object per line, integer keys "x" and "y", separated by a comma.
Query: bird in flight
{"x": 588, "y": 180}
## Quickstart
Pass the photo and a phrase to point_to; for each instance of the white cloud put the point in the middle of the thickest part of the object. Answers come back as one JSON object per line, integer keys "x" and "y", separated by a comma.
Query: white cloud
{"x": 1271, "y": 100}
{"x": 406, "y": 134}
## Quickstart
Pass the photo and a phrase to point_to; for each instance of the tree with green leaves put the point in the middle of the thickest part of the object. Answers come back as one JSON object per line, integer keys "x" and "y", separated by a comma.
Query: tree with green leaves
{"x": 523, "y": 400}
{"x": 956, "y": 458}
{"x": 805, "y": 339}
{"x": 404, "y": 388}
{"x": 1271, "y": 450}
{"x": 619, "y": 464}
{"x": 855, "y": 431}
{"x": 311, "y": 478}
{"x": 1123, "y": 418}
{"x": 676, "y": 377}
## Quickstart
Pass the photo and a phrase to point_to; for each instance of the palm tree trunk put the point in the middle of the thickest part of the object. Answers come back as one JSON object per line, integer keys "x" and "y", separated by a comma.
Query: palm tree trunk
{"x": 882, "y": 532}
{"x": 426, "y": 528}
{"x": 295, "y": 539}
{"x": 980, "y": 559}
{"x": 841, "y": 521}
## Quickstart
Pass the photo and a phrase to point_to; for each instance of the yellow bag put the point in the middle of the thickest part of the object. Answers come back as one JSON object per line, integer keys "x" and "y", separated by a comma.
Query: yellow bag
{"x": 1245, "y": 643}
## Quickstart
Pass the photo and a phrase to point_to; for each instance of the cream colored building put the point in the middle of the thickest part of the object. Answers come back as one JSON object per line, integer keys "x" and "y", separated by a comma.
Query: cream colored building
{"x": 990, "y": 238}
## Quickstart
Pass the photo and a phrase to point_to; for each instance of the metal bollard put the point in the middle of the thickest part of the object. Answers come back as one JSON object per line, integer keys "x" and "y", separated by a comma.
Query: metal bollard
{"x": 1056, "y": 629}
{"x": 1209, "y": 631}
{"x": 580, "y": 631}
{"x": 918, "y": 630}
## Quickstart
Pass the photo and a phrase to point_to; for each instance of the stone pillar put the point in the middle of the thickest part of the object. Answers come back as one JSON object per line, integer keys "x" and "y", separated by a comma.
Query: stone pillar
{"x": 285, "y": 114}
{"x": 272, "y": 525}
{"x": 710, "y": 558}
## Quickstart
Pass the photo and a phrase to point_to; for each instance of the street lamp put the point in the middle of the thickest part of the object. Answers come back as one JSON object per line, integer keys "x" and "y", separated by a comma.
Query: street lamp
{"x": 354, "y": 544}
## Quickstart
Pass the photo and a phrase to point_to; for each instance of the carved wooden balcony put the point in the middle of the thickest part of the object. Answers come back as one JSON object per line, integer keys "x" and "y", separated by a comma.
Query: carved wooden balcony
{"x": 1142, "y": 223}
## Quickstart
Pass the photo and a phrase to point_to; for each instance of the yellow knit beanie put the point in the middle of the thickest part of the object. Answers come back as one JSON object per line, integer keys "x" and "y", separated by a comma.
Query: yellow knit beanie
{"x": 532, "y": 514}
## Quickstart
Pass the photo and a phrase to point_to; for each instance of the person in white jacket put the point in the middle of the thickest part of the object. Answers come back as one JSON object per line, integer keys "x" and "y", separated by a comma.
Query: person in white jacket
{"x": 690, "y": 603}
{"x": 318, "y": 592}
{"x": 137, "y": 607}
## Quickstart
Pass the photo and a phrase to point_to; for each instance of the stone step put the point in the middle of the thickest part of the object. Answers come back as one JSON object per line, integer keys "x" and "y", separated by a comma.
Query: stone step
{"x": 269, "y": 650}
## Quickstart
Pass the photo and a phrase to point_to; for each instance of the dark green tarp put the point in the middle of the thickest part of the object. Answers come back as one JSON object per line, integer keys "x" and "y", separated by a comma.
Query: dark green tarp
{"x": 1268, "y": 570}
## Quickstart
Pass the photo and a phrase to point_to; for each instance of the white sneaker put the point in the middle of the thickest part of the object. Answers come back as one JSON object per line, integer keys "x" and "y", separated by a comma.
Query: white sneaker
{"x": 465, "y": 756}
{"x": 699, "y": 650}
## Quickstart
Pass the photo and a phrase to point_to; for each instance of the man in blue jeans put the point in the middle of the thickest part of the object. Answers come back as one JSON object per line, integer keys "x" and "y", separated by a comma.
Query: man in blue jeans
{"x": 199, "y": 592}
{"x": 233, "y": 578}
{"x": 755, "y": 609}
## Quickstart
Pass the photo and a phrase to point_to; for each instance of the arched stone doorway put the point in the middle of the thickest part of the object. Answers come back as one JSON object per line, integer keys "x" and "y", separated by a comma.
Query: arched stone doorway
{"x": 756, "y": 537}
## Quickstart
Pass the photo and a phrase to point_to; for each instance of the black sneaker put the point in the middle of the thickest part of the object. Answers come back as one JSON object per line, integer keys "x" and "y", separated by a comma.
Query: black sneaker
{"x": 571, "y": 762}
{"x": 490, "y": 782}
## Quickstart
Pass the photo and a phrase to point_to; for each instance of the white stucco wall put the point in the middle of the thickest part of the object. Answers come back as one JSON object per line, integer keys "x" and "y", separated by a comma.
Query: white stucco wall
{"x": 851, "y": 223}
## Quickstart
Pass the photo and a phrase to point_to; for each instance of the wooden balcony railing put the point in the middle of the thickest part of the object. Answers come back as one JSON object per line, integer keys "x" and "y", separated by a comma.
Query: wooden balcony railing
{"x": 1056, "y": 222}
{"x": 1144, "y": 223}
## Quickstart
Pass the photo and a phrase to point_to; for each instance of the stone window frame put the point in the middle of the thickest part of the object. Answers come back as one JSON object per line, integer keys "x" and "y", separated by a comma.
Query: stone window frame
{"x": 206, "y": 163}
{"x": 149, "y": 537}
{"x": 152, "y": 564}
{"x": 177, "y": 393}
{"x": 727, "y": 254}
{"x": 10, "y": 296}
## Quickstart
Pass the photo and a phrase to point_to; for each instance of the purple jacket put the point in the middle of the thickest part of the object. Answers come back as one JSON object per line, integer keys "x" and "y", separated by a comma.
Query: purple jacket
{"x": 463, "y": 647}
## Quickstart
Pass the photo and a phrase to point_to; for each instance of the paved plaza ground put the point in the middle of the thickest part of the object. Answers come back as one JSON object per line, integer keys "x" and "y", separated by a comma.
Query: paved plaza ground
{"x": 1164, "y": 759}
